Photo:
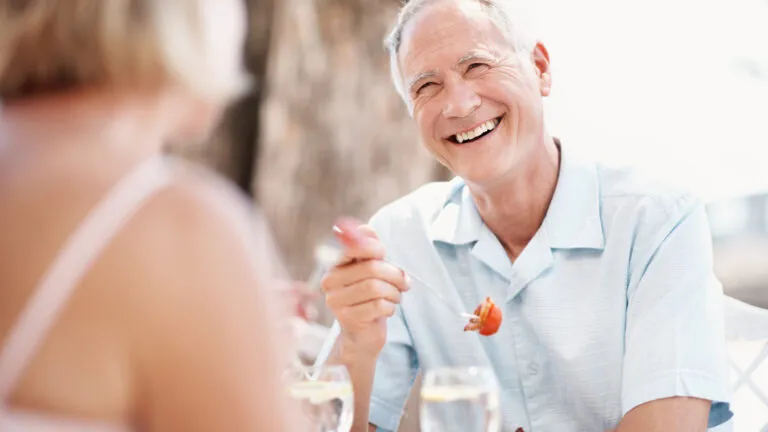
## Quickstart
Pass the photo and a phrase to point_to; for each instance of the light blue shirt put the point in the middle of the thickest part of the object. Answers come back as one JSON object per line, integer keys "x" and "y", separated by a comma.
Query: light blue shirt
{"x": 612, "y": 304}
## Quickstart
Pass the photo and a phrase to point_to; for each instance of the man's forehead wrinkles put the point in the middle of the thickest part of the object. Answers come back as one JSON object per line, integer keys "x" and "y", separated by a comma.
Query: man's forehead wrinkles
{"x": 481, "y": 52}
{"x": 432, "y": 46}
{"x": 416, "y": 62}
{"x": 416, "y": 50}
{"x": 426, "y": 33}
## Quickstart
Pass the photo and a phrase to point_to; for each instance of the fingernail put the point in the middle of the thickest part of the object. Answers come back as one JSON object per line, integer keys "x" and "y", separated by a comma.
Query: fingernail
{"x": 346, "y": 231}
{"x": 408, "y": 281}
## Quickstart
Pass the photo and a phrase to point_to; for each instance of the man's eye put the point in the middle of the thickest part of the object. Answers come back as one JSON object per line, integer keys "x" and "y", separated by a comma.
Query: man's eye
{"x": 424, "y": 87}
{"x": 476, "y": 66}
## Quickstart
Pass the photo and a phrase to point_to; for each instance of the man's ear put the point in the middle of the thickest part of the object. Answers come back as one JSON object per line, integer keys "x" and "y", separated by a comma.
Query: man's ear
{"x": 540, "y": 58}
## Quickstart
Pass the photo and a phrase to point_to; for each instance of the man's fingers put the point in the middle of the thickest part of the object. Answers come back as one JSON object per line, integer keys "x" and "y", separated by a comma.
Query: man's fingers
{"x": 360, "y": 241}
{"x": 366, "y": 312}
{"x": 362, "y": 287}
{"x": 367, "y": 231}
{"x": 355, "y": 272}
{"x": 347, "y": 231}
{"x": 369, "y": 249}
{"x": 362, "y": 292}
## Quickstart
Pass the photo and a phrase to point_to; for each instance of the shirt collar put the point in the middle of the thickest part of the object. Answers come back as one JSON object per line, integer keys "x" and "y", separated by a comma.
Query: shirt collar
{"x": 572, "y": 221}
{"x": 458, "y": 222}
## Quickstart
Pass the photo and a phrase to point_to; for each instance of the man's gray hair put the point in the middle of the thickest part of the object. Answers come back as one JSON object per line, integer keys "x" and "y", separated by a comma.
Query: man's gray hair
{"x": 506, "y": 14}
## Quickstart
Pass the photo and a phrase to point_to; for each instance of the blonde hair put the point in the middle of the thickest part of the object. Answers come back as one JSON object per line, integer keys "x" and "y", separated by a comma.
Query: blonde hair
{"x": 54, "y": 45}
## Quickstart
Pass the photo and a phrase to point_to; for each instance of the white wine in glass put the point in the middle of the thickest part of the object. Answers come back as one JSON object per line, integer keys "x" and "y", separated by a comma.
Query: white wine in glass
{"x": 325, "y": 396}
{"x": 460, "y": 400}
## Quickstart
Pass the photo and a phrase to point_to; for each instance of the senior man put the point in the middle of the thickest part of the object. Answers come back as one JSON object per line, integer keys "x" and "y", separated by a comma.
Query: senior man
{"x": 611, "y": 310}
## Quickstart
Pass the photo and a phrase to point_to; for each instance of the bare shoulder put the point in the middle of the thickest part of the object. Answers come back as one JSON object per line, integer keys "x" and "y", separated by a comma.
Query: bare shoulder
{"x": 197, "y": 234}
{"x": 177, "y": 313}
{"x": 199, "y": 204}
{"x": 201, "y": 215}
{"x": 206, "y": 314}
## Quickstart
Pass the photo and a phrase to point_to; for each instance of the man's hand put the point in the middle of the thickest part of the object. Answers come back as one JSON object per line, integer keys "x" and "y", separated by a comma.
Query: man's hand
{"x": 362, "y": 290}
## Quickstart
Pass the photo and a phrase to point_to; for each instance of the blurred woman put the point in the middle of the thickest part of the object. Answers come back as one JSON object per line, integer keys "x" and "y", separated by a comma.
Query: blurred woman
{"x": 132, "y": 296}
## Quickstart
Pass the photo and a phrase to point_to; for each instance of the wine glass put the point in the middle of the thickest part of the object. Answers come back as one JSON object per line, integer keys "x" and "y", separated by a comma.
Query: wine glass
{"x": 461, "y": 399}
{"x": 324, "y": 394}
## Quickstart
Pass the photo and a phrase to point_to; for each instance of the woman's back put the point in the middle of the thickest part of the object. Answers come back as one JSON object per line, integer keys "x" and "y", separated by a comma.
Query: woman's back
{"x": 73, "y": 372}
{"x": 172, "y": 325}
{"x": 163, "y": 319}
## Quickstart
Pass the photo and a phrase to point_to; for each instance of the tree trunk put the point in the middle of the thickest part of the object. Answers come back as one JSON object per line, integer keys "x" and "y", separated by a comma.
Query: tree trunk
{"x": 234, "y": 146}
{"x": 335, "y": 138}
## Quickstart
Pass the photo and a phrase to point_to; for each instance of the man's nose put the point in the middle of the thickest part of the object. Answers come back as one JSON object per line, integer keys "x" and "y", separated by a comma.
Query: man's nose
{"x": 462, "y": 100}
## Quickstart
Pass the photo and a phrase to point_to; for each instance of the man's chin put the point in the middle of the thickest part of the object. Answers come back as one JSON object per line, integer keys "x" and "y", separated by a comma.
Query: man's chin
{"x": 478, "y": 177}
{"x": 484, "y": 174}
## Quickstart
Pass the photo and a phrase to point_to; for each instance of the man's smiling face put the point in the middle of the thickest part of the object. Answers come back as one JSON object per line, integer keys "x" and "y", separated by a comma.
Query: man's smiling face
{"x": 476, "y": 101}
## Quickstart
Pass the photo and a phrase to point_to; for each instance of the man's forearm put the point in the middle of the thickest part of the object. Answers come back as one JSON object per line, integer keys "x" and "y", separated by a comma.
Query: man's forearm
{"x": 676, "y": 414}
{"x": 361, "y": 370}
{"x": 362, "y": 383}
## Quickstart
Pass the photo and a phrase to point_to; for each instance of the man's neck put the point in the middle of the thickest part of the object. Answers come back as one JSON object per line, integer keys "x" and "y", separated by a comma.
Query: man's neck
{"x": 515, "y": 208}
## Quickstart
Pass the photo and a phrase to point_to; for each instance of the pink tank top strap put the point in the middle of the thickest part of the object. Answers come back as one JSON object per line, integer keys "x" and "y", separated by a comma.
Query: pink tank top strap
{"x": 72, "y": 262}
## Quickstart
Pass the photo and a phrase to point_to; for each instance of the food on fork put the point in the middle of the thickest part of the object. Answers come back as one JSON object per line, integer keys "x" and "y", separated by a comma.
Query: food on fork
{"x": 488, "y": 319}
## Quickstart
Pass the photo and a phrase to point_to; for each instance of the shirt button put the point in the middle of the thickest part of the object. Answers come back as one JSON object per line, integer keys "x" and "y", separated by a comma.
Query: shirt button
{"x": 533, "y": 368}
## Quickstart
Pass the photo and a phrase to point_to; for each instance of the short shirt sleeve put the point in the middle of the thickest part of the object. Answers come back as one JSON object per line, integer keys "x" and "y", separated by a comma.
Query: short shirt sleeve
{"x": 675, "y": 343}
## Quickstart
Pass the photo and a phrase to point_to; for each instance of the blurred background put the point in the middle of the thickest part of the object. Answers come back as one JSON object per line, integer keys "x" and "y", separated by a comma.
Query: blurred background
{"x": 679, "y": 87}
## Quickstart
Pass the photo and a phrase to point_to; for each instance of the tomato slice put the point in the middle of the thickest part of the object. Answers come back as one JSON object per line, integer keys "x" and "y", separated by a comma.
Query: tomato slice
{"x": 488, "y": 319}
{"x": 492, "y": 321}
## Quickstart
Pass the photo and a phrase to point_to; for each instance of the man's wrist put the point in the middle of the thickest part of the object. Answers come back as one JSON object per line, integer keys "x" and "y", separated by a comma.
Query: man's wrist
{"x": 356, "y": 356}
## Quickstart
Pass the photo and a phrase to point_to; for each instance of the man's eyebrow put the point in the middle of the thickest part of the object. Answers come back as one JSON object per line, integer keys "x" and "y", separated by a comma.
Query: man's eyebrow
{"x": 476, "y": 55}
{"x": 471, "y": 56}
{"x": 419, "y": 77}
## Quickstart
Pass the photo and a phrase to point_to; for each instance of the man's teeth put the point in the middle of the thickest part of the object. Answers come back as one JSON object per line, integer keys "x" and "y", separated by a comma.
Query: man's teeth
{"x": 476, "y": 132}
